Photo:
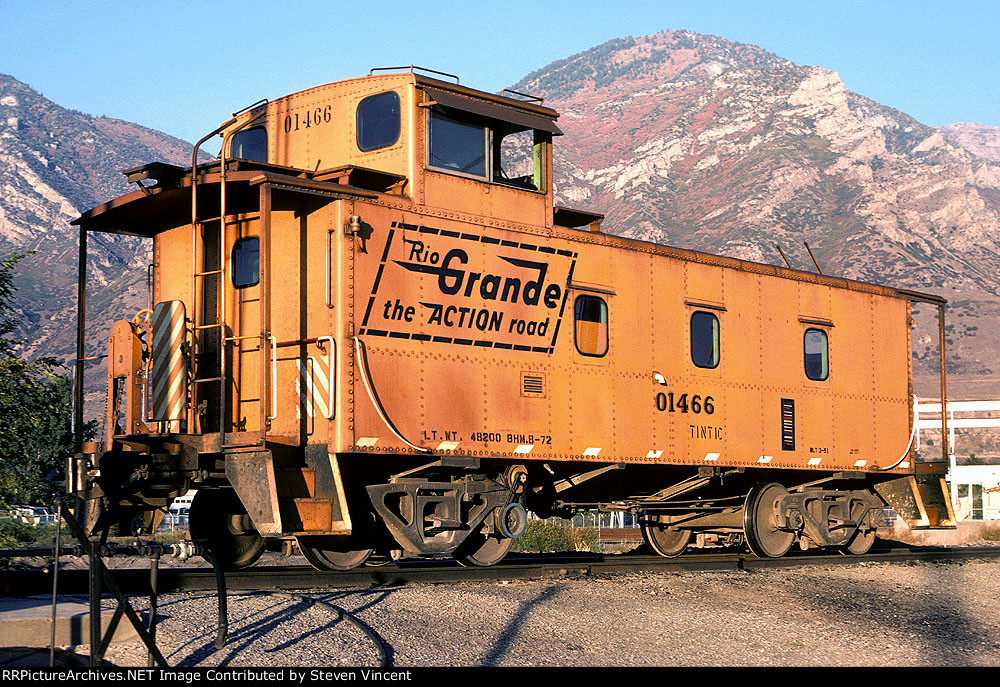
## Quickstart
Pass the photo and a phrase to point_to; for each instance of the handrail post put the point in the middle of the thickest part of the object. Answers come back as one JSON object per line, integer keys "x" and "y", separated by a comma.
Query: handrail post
{"x": 946, "y": 453}
{"x": 81, "y": 307}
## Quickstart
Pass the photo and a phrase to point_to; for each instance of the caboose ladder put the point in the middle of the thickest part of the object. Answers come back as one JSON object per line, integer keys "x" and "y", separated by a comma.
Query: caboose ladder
{"x": 199, "y": 310}
{"x": 199, "y": 271}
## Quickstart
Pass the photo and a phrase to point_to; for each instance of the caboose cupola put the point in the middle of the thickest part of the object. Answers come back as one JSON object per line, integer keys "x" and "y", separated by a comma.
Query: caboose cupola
{"x": 456, "y": 148}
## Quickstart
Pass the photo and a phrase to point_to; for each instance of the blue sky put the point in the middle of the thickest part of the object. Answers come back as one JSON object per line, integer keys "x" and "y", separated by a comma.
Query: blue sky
{"x": 183, "y": 66}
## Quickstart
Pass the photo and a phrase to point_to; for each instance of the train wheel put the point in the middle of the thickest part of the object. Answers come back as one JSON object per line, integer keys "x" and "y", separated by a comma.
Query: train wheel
{"x": 483, "y": 548}
{"x": 220, "y": 522}
{"x": 861, "y": 541}
{"x": 760, "y": 521}
{"x": 668, "y": 542}
{"x": 334, "y": 553}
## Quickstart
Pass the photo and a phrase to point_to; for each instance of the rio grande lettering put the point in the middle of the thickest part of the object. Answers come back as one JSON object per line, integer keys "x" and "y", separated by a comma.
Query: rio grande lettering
{"x": 454, "y": 280}
{"x": 509, "y": 298}
{"x": 525, "y": 285}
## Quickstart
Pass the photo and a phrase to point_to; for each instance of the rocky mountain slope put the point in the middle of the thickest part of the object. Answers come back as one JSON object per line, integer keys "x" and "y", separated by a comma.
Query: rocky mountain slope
{"x": 54, "y": 164}
{"x": 701, "y": 142}
{"x": 679, "y": 138}
{"x": 979, "y": 139}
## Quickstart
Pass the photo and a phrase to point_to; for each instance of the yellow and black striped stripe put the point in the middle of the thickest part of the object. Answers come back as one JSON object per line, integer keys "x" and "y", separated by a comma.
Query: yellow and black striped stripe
{"x": 169, "y": 374}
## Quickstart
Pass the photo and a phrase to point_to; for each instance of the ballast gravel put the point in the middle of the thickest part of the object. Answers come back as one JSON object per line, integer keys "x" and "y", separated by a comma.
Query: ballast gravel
{"x": 865, "y": 614}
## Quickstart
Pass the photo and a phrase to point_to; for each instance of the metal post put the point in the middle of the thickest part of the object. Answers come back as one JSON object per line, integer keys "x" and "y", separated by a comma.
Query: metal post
{"x": 944, "y": 386}
{"x": 264, "y": 263}
{"x": 95, "y": 602}
{"x": 81, "y": 307}
{"x": 952, "y": 462}
{"x": 154, "y": 569}
{"x": 55, "y": 581}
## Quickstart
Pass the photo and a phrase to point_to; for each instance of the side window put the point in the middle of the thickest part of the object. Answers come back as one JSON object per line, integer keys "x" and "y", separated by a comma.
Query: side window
{"x": 591, "y": 315}
{"x": 250, "y": 144}
{"x": 246, "y": 262}
{"x": 378, "y": 121}
{"x": 705, "y": 339}
{"x": 457, "y": 146}
{"x": 816, "y": 353}
{"x": 474, "y": 144}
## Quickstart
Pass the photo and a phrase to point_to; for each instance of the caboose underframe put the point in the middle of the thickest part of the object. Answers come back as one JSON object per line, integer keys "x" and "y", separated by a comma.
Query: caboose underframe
{"x": 406, "y": 360}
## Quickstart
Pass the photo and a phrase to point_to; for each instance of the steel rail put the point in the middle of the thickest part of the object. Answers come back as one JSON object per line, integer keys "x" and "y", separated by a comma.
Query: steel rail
{"x": 30, "y": 582}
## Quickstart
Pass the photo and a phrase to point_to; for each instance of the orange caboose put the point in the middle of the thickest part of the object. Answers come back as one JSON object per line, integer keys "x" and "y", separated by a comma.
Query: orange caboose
{"x": 371, "y": 331}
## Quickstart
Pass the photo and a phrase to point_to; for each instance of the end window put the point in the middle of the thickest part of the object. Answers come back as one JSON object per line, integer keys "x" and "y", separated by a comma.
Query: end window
{"x": 517, "y": 157}
{"x": 705, "y": 339}
{"x": 591, "y": 314}
{"x": 246, "y": 262}
{"x": 378, "y": 121}
{"x": 816, "y": 352}
{"x": 250, "y": 144}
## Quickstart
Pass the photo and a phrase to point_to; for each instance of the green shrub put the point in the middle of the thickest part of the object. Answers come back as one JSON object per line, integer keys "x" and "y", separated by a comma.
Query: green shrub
{"x": 15, "y": 534}
{"x": 587, "y": 539}
{"x": 990, "y": 533}
{"x": 543, "y": 536}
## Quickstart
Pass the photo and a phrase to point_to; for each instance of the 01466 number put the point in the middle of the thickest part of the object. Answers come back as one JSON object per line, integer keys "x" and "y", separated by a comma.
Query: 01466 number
{"x": 309, "y": 118}
{"x": 665, "y": 402}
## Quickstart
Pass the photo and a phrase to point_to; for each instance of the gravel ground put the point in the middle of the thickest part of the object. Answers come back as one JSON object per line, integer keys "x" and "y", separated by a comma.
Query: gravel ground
{"x": 867, "y": 614}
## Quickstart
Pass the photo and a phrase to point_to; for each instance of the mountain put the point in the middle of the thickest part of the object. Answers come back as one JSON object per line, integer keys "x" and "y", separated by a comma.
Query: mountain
{"x": 700, "y": 142}
{"x": 979, "y": 139}
{"x": 679, "y": 138}
{"x": 54, "y": 164}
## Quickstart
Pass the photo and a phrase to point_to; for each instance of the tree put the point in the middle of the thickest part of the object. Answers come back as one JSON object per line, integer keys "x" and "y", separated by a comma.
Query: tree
{"x": 35, "y": 432}
{"x": 973, "y": 459}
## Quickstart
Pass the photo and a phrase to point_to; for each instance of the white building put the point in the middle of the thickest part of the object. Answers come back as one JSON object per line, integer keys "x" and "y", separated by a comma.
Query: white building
{"x": 976, "y": 491}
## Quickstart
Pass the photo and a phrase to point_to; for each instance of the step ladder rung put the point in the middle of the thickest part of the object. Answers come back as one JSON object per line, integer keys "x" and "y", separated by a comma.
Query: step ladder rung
{"x": 209, "y": 273}
{"x": 209, "y": 326}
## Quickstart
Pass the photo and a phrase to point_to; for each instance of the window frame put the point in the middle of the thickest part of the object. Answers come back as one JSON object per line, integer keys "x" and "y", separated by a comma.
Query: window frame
{"x": 357, "y": 121}
{"x": 492, "y": 128}
{"x": 232, "y": 262}
{"x": 716, "y": 341}
{"x": 267, "y": 143}
{"x": 487, "y": 146}
{"x": 826, "y": 346}
{"x": 607, "y": 326}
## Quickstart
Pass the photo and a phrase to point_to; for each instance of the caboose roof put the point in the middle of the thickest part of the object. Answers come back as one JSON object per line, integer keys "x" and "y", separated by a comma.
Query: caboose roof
{"x": 166, "y": 204}
{"x": 506, "y": 109}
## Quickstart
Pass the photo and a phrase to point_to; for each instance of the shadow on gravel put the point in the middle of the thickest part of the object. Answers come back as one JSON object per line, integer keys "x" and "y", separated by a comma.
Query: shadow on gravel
{"x": 930, "y": 618}
{"x": 509, "y": 633}
{"x": 242, "y": 633}
{"x": 245, "y": 631}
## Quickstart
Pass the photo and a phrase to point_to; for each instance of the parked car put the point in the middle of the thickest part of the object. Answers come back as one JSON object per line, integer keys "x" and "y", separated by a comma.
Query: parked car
{"x": 33, "y": 515}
